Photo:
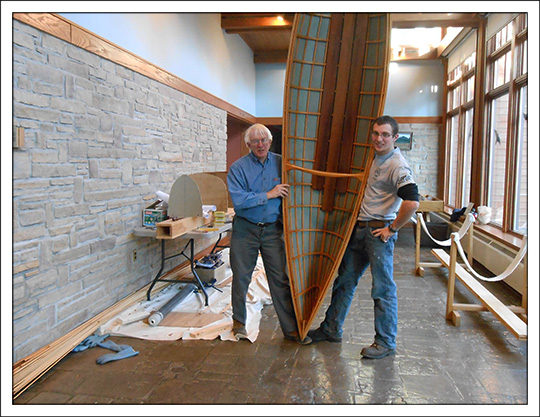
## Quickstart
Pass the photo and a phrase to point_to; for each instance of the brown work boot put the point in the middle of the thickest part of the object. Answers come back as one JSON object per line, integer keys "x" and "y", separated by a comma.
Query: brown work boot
{"x": 376, "y": 351}
{"x": 239, "y": 330}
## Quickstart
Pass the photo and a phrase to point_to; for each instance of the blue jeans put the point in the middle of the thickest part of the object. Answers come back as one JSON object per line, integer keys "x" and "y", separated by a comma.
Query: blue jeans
{"x": 246, "y": 241}
{"x": 365, "y": 249}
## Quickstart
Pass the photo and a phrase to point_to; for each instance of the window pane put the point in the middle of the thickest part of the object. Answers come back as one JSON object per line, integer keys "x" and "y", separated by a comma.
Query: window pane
{"x": 470, "y": 62}
{"x": 470, "y": 89}
{"x": 525, "y": 60}
{"x": 520, "y": 220}
{"x": 508, "y": 67}
{"x": 467, "y": 144}
{"x": 501, "y": 73}
{"x": 452, "y": 177}
{"x": 497, "y": 159}
{"x": 455, "y": 97}
{"x": 523, "y": 54}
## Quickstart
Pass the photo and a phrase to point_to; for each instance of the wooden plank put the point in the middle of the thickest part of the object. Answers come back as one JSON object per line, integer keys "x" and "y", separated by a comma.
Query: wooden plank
{"x": 512, "y": 322}
{"x": 212, "y": 330}
{"x": 340, "y": 101}
{"x": 181, "y": 319}
{"x": 430, "y": 204}
{"x": 353, "y": 99}
{"x": 171, "y": 229}
{"x": 327, "y": 101}
{"x": 46, "y": 22}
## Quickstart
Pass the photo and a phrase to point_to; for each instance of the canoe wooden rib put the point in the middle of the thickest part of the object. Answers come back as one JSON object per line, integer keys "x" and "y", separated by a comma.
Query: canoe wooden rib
{"x": 326, "y": 142}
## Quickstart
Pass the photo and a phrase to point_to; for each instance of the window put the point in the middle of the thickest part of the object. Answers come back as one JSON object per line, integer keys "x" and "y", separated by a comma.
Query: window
{"x": 506, "y": 126}
{"x": 497, "y": 157}
{"x": 497, "y": 134}
{"x": 520, "y": 203}
{"x": 468, "y": 140}
{"x": 459, "y": 122}
{"x": 452, "y": 178}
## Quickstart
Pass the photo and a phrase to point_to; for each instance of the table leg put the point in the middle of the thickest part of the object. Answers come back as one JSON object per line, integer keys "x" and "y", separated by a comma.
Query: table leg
{"x": 191, "y": 262}
{"x": 160, "y": 269}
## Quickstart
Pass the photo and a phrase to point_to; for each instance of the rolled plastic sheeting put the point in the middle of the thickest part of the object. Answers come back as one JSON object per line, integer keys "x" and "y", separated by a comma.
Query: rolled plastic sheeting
{"x": 163, "y": 196}
{"x": 156, "y": 317}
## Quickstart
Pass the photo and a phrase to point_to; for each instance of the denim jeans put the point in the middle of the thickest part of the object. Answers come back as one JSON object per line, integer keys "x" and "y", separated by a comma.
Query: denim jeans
{"x": 246, "y": 241}
{"x": 365, "y": 249}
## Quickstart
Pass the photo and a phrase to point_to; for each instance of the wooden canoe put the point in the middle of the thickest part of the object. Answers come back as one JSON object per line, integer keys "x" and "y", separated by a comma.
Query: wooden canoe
{"x": 335, "y": 86}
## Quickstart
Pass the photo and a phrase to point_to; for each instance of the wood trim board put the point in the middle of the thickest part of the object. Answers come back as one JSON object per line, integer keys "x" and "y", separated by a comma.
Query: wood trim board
{"x": 62, "y": 28}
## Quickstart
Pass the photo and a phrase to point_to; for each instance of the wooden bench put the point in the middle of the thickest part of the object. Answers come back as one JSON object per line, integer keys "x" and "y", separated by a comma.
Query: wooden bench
{"x": 427, "y": 205}
{"x": 507, "y": 315}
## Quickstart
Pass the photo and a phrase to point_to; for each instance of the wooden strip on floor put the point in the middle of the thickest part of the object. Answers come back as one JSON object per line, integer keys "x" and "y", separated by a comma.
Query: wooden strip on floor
{"x": 180, "y": 319}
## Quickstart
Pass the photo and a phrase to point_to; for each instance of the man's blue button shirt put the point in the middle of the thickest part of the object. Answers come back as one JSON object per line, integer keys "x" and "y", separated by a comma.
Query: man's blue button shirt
{"x": 249, "y": 180}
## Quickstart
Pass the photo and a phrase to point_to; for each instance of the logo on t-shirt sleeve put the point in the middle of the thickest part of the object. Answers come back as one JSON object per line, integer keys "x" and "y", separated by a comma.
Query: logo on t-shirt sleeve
{"x": 404, "y": 180}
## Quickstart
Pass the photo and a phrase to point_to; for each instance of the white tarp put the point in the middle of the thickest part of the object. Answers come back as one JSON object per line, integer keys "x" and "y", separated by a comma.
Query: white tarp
{"x": 133, "y": 322}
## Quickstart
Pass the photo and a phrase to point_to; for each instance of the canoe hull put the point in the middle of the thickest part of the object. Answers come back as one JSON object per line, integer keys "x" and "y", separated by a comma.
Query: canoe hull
{"x": 335, "y": 87}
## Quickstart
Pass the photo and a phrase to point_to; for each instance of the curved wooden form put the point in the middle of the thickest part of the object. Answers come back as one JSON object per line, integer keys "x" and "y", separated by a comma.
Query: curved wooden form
{"x": 335, "y": 86}
{"x": 213, "y": 190}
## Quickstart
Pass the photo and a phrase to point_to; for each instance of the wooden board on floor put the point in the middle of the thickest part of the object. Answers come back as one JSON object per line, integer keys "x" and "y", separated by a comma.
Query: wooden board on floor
{"x": 180, "y": 319}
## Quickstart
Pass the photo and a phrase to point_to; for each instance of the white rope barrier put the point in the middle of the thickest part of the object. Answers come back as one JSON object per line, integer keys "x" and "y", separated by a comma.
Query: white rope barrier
{"x": 513, "y": 265}
{"x": 461, "y": 232}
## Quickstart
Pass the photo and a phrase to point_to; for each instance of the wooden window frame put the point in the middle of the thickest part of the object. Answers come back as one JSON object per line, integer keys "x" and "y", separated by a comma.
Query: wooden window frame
{"x": 512, "y": 87}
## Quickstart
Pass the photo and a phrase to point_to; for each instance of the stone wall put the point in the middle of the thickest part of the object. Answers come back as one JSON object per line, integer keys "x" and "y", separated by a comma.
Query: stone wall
{"x": 423, "y": 158}
{"x": 99, "y": 141}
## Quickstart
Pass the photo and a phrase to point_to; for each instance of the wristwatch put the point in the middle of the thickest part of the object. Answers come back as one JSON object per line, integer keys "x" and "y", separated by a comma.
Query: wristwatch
{"x": 391, "y": 228}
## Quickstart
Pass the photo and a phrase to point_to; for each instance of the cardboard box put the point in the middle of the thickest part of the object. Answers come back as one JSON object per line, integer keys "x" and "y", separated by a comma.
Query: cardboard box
{"x": 208, "y": 275}
{"x": 152, "y": 216}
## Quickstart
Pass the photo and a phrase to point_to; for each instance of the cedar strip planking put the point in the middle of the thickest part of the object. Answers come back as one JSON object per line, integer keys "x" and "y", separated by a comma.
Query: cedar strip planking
{"x": 355, "y": 85}
{"x": 336, "y": 130}
{"x": 327, "y": 102}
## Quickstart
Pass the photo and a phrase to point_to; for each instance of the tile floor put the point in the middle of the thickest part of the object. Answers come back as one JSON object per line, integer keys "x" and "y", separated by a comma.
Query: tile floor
{"x": 479, "y": 362}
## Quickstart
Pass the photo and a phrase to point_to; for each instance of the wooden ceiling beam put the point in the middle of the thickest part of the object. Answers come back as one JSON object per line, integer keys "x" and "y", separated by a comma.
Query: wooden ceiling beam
{"x": 270, "y": 57}
{"x": 430, "y": 20}
{"x": 241, "y": 24}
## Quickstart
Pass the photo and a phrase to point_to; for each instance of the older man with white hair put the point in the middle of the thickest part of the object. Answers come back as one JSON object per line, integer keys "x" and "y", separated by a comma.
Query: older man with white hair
{"x": 256, "y": 191}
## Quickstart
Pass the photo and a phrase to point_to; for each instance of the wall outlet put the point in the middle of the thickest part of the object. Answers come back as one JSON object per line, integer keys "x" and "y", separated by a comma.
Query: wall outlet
{"x": 134, "y": 254}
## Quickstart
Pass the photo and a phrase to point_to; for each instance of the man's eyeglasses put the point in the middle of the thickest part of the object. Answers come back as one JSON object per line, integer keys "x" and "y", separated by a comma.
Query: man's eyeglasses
{"x": 264, "y": 141}
{"x": 385, "y": 135}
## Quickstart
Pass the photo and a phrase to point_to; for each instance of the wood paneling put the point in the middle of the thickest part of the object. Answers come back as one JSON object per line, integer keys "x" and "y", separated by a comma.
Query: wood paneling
{"x": 265, "y": 35}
